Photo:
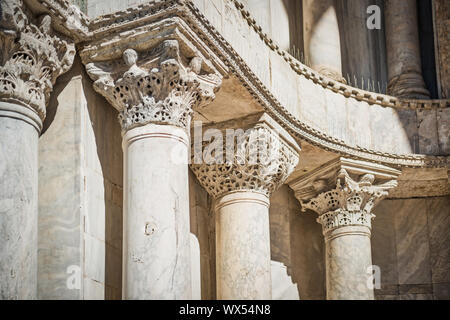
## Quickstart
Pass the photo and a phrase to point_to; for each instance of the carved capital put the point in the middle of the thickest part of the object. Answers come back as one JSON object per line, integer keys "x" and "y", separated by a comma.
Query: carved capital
{"x": 33, "y": 55}
{"x": 344, "y": 192}
{"x": 260, "y": 160}
{"x": 157, "y": 86}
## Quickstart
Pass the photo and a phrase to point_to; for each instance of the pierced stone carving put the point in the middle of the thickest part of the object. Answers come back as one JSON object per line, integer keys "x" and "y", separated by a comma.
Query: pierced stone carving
{"x": 351, "y": 201}
{"x": 165, "y": 94}
{"x": 32, "y": 57}
{"x": 186, "y": 14}
{"x": 261, "y": 162}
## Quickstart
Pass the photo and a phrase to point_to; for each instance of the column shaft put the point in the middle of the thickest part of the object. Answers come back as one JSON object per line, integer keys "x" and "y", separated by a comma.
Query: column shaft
{"x": 243, "y": 247}
{"x": 348, "y": 255}
{"x": 403, "y": 51}
{"x": 18, "y": 201}
{"x": 156, "y": 260}
{"x": 347, "y": 194}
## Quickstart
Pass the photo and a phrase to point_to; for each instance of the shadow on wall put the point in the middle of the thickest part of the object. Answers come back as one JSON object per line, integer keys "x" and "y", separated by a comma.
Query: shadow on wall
{"x": 81, "y": 140}
{"x": 202, "y": 224}
{"x": 102, "y": 121}
{"x": 297, "y": 242}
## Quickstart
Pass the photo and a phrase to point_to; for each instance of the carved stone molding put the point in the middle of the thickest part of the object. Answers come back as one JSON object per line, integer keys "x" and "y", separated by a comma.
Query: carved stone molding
{"x": 145, "y": 25}
{"x": 33, "y": 55}
{"x": 261, "y": 161}
{"x": 143, "y": 92}
{"x": 344, "y": 192}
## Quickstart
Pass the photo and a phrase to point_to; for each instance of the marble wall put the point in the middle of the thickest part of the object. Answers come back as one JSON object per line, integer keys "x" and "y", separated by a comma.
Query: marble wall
{"x": 203, "y": 228}
{"x": 61, "y": 187}
{"x": 80, "y": 194}
{"x": 442, "y": 34}
{"x": 411, "y": 245}
{"x": 297, "y": 242}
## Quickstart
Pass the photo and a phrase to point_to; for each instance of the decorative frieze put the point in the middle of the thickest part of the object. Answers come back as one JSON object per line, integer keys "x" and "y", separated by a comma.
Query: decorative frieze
{"x": 344, "y": 192}
{"x": 145, "y": 92}
{"x": 261, "y": 160}
{"x": 32, "y": 57}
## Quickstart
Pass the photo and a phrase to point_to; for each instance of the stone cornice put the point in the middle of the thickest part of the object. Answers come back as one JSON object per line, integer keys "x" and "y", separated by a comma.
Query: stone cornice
{"x": 33, "y": 55}
{"x": 324, "y": 178}
{"x": 189, "y": 23}
{"x": 260, "y": 160}
{"x": 67, "y": 18}
{"x": 335, "y": 85}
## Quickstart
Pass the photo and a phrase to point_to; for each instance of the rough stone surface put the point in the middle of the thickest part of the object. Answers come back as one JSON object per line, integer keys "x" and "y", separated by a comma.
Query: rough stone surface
{"x": 18, "y": 206}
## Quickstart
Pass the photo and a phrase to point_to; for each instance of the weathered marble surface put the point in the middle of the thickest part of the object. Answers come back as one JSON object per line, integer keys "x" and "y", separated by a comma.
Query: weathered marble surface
{"x": 61, "y": 206}
{"x": 80, "y": 194}
{"x": 361, "y": 122}
{"x": 156, "y": 258}
{"x": 202, "y": 221}
{"x": 442, "y": 18}
{"x": 282, "y": 286}
{"x": 195, "y": 268}
{"x": 410, "y": 244}
{"x": 18, "y": 204}
{"x": 438, "y": 221}
{"x": 384, "y": 248}
{"x": 411, "y": 234}
{"x": 403, "y": 50}
{"x": 280, "y": 233}
{"x": 321, "y": 37}
{"x": 348, "y": 255}
{"x": 243, "y": 247}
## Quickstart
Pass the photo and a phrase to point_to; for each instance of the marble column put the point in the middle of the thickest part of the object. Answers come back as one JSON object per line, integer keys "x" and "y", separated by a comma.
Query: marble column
{"x": 31, "y": 59}
{"x": 243, "y": 246}
{"x": 155, "y": 105}
{"x": 403, "y": 51}
{"x": 322, "y": 38}
{"x": 156, "y": 256}
{"x": 343, "y": 193}
{"x": 262, "y": 159}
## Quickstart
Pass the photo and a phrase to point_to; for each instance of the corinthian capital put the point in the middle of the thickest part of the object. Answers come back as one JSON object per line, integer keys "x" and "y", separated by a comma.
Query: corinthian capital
{"x": 344, "y": 192}
{"x": 259, "y": 159}
{"x": 154, "y": 86}
{"x": 33, "y": 55}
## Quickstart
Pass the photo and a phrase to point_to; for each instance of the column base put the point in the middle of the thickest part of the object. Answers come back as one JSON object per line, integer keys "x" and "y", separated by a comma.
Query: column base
{"x": 408, "y": 86}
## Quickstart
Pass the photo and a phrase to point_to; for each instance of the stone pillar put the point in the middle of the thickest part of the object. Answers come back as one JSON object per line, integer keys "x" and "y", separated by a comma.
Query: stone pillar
{"x": 155, "y": 109}
{"x": 322, "y": 38}
{"x": 403, "y": 51}
{"x": 156, "y": 221}
{"x": 347, "y": 194}
{"x": 31, "y": 58}
{"x": 261, "y": 160}
{"x": 243, "y": 246}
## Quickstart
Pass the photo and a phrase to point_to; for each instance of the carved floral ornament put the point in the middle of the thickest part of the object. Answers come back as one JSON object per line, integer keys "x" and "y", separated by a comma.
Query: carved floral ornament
{"x": 32, "y": 57}
{"x": 350, "y": 202}
{"x": 164, "y": 93}
{"x": 261, "y": 162}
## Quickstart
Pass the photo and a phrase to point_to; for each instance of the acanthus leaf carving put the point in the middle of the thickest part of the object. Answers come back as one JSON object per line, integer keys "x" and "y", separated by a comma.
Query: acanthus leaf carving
{"x": 160, "y": 90}
{"x": 32, "y": 58}
{"x": 261, "y": 162}
{"x": 350, "y": 202}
